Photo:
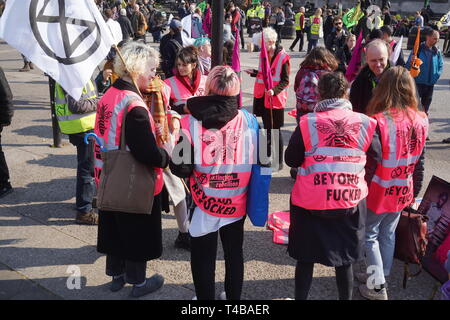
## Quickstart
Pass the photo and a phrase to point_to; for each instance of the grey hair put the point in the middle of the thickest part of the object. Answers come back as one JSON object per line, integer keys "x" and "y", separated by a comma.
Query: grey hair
{"x": 269, "y": 35}
{"x": 137, "y": 56}
{"x": 378, "y": 43}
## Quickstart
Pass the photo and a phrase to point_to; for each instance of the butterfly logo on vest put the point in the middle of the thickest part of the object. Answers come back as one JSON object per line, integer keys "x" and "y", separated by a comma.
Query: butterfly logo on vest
{"x": 411, "y": 138}
{"x": 103, "y": 118}
{"x": 340, "y": 133}
{"x": 223, "y": 142}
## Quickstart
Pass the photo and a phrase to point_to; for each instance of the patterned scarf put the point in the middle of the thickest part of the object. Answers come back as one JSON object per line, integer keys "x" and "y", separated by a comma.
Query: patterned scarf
{"x": 154, "y": 99}
{"x": 335, "y": 103}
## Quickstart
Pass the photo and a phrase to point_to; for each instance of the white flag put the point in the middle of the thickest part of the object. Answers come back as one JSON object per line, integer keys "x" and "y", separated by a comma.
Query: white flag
{"x": 396, "y": 54}
{"x": 186, "y": 33}
{"x": 67, "y": 39}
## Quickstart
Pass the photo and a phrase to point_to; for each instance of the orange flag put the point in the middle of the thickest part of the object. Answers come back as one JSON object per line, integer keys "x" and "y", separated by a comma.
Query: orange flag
{"x": 415, "y": 67}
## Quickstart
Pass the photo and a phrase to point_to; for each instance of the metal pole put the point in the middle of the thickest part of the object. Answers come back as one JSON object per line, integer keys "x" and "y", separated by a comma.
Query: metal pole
{"x": 55, "y": 126}
{"x": 217, "y": 32}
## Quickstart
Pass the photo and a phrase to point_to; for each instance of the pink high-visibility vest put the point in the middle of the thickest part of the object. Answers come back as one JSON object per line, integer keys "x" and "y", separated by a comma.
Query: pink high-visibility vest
{"x": 402, "y": 141}
{"x": 332, "y": 174}
{"x": 179, "y": 93}
{"x": 278, "y": 101}
{"x": 223, "y": 165}
{"x": 108, "y": 126}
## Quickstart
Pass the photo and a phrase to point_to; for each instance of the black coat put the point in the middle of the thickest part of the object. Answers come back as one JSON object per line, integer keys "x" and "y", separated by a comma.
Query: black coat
{"x": 168, "y": 48}
{"x": 361, "y": 90}
{"x": 127, "y": 28}
{"x": 6, "y": 97}
{"x": 135, "y": 237}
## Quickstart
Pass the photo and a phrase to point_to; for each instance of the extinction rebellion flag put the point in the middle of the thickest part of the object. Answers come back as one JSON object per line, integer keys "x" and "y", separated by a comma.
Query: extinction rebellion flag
{"x": 67, "y": 39}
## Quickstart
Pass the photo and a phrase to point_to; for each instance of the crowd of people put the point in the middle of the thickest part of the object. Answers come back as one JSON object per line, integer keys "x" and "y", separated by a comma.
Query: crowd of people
{"x": 350, "y": 135}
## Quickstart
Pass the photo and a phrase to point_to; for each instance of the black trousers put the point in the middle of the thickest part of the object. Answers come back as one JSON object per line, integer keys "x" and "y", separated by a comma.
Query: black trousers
{"x": 241, "y": 34}
{"x": 426, "y": 95}
{"x": 304, "y": 275}
{"x": 203, "y": 261}
{"x": 278, "y": 30}
{"x": 299, "y": 36}
{"x": 4, "y": 172}
{"x": 278, "y": 122}
{"x": 134, "y": 270}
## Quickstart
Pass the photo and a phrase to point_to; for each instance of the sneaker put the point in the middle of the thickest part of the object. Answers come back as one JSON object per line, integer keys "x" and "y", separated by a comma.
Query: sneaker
{"x": 292, "y": 50}
{"x": 222, "y": 296}
{"x": 151, "y": 285}
{"x": 90, "y": 218}
{"x": 371, "y": 294}
{"x": 5, "y": 190}
{"x": 117, "y": 284}
{"x": 183, "y": 241}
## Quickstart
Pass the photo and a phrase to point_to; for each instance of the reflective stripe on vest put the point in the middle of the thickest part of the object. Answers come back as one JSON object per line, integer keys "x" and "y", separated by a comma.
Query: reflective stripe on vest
{"x": 278, "y": 101}
{"x": 220, "y": 188}
{"x": 108, "y": 126}
{"x": 332, "y": 174}
{"x": 179, "y": 94}
{"x": 402, "y": 140}
{"x": 315, "y": 26}
{"x": 297, "y": 21}
{"x": 69, "y": 122}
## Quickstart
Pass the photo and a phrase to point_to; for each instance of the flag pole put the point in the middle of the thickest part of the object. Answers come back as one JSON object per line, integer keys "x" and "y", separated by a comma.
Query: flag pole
{"x": 126, "y": 69}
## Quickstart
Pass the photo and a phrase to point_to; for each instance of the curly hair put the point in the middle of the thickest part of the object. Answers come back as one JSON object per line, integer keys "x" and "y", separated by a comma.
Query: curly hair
{"x": 137, "y": 57}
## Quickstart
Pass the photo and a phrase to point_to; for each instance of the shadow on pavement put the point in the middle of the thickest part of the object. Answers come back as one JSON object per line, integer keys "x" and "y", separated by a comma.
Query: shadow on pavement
{"x": 57, "y": 160}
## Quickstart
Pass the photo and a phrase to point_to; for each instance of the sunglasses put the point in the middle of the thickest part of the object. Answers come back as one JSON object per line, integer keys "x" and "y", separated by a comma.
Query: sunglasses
{"x": 338, "y": 23}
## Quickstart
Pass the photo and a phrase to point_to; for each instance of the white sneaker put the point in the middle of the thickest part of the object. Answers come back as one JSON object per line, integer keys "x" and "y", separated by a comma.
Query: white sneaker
{"x": 194, "y": 298}
{"x": 371, "y": 294}
{"x": 222, "y": 296}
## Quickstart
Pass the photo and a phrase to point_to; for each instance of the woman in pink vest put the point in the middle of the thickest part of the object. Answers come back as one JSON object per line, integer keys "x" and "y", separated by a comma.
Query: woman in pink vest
{"x": 281, "y": 68}
{"x": 188, "y": 80}
{"x": 213, "y": 158}
{"x": 328, "y": 209}
{"x": 396, "y": 179}
{"x": 130, "y": 240}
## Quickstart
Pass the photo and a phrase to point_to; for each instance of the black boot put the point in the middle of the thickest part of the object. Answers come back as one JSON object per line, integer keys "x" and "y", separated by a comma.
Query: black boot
{"x": 183, "y": 241}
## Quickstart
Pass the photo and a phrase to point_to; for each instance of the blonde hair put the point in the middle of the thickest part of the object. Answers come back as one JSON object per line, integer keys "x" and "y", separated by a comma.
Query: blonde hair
{"x": 222, "y": 81}
{"x": 137, "y": 56}
{"x": 396, "y": 90}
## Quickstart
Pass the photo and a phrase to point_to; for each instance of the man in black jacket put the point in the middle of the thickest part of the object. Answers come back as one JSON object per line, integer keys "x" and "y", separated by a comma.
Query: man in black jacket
{"x": 125, "y": 25}
{"x": 336, "y": 39}
{"x": 169, "y": 46}
{"x": 6, "y": 113}
{"x": 377, "y": 54}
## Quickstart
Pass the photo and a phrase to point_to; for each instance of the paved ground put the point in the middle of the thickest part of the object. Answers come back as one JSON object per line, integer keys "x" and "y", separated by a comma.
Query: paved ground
{"x": 40, "y": 244}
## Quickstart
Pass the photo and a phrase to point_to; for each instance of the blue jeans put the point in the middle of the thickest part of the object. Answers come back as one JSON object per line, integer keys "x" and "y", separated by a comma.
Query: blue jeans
{"x": 85, "y": 172}
{"x": 380, "y": 244}
{"x": 312, "y": 43}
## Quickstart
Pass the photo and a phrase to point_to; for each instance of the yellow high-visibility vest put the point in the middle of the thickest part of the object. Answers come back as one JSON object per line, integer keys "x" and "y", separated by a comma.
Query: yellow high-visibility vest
{"x": 71, "y": 123}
